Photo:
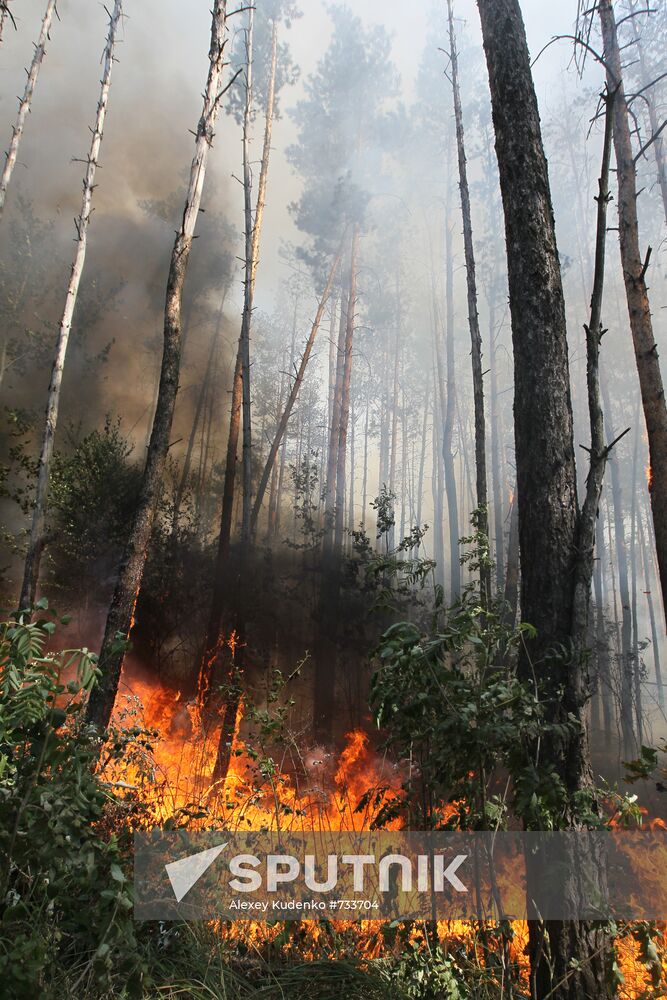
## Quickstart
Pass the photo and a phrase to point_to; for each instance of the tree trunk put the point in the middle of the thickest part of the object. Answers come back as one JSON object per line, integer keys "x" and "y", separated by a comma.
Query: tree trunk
{"x": 626, "y": 692}
{"x": 37, "y": 531}
{"x": 345, "y": 394}
{"x": 294, "y": 392}
{"x": 448, "y": 428}
{"x": 26, "y": 100}
{"x": 546, "y": 474}
{"x": 481, "y": 499}
{"x": 636, "y": 658}
{"x": 601, "y": 642}
{"x": 251, "y": 257}
{"x": 655, "y": 639}
{"x": 497, "y": 464}
{"x": 121, "y": 612}
{"x": 330, "y": 498}
{"x": 634, "y": 273}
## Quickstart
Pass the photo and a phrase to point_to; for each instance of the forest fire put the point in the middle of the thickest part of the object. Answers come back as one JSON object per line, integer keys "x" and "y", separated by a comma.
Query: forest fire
{"x": 266, "y": 787}
{"x": 305, "y": 790}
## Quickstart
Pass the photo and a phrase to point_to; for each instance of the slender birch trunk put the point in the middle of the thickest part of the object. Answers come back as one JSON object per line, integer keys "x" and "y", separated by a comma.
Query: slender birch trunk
{"x": 121, "y": 612}
{"x": 37, "y": 532}
{"x": 26, "y": 101}
{"x": 481, "y": 499}
{"x": 294, "y": 392}
{"x": 634, "y": 273}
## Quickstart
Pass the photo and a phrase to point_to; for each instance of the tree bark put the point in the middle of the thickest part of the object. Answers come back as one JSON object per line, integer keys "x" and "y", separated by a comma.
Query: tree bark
{"x": 37, "y": 531}
{"x": 546, "y": 475}
{"x": 121, "y": 613}
{"x": 634, "y": 274}
{"x": 26, "y": 101}
{"x": 482, "y": 502}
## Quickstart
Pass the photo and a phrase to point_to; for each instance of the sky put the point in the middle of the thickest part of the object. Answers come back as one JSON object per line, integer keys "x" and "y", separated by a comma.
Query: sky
{"x": 156, "y": 91}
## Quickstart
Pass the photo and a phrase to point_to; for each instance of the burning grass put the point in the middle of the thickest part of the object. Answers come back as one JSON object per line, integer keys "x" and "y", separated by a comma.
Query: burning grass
{"x": 280, "y": 784}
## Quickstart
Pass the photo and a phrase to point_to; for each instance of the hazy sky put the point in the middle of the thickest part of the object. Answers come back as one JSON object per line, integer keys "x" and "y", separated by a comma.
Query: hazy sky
{"x": 155, "y": 98}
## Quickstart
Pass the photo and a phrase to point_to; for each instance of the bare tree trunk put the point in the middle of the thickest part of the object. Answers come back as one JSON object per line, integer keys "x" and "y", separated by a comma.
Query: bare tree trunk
{"x": 634, "y": 273}
{"x": 655, "y": 639}
{"x": 437, "y": 488}
{"x": 37, "y": 531}
{"x": 497, "y": 469}
{"x": 422, "y": 454}
{"x": 626, "y": 691}
{"x": 601, "y": 641}
{"x": 636, "y": 658}
{"x": 482, "y": 502}
{"x": 294, "y": 392}
{"x": 26, "y": 101}
{"x": 251, "y": 258}
{"x": 330, "y": 497}
{"x": 345, "y": 394}
{"x": 448, "y": 428}
{"x": 121, "y": 612}
{"x": 364, "y": 484}
{"x": 568, "y": 958}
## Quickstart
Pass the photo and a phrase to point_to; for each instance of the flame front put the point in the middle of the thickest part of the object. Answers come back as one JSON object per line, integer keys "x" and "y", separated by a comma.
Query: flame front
{"x": 303, "y": 789}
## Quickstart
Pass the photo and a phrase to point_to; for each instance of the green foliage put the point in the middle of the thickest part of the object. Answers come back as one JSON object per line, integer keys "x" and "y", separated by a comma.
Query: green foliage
{"x": 93, "y": 492}
{"x": 395, "y": 573}
{"x": 66, "y": 897}
{"x": 452, "y": 703}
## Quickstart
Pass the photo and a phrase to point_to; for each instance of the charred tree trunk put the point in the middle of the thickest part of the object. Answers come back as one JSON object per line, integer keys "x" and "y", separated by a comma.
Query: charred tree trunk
{"x": 549, "y": 522}
{"x": 121, "y": 612}
{"x": 37, "y": 531}
{"x": 26, "y": 101}
{"x": 481, "y": 498}
{"x": 634, "y": 273}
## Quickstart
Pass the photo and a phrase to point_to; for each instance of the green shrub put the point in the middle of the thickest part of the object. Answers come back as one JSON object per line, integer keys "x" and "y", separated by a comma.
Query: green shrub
{"x": 65, "y": 898}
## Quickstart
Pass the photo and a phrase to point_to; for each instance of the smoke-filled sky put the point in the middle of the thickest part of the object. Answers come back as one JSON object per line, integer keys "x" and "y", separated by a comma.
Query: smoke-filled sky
{"x": 155, "y": 100}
